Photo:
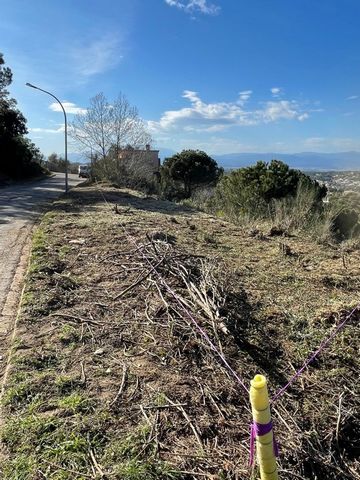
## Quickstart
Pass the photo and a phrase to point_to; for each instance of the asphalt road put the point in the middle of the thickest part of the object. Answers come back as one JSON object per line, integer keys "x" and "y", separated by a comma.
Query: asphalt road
{"x": 20, "y": 204}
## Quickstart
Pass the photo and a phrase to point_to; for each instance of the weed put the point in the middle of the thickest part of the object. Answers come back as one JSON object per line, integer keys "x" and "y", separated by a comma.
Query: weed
{"x": 41, "y": 361}
{"x": 208, "y": 238}
{"x": 27, "y": 298}
{"x": 63, "y": 251}
{"x": 76, "y": 403}
{"x": 133, "y": 457}
{"x": 65, "y": 383}
{"x": 23, "y": 434}
{"x": 23, "y": 467}
{"x": 38, "y": 251}
{"x": 26, "y": 390}
{"x": 17, "y": 395}
{"x": 49, "y": 218}
{"x": 69, "y": 334}
{"x": 160, "y": 399}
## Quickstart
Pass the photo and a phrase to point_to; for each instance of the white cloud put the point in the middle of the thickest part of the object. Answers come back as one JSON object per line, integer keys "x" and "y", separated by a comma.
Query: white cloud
{"x": 303, "y": 116}
{"x": 97, "y": 57}
{"x": 282, "y": 109}
{"x": 193, "y": 6}
{"x": 245, "y": 95}
{"x": 353, "y": 97}
{"x": 61, "y": 129}
{"x": 276, "y": 91}
{"x": 68, "y": 106}
{"x": 214, "y": 117}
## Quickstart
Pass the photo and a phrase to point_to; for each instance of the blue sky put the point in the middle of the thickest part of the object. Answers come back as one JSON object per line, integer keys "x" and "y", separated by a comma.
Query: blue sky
{"x": 220, "y": 75}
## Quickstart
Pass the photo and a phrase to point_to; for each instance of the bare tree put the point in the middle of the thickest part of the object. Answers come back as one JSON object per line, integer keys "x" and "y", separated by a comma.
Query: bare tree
{"x": 106, "y": 128}
{"x": 127, "y": 127}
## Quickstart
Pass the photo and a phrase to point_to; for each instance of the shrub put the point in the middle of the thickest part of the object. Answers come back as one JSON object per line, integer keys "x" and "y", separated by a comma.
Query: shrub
{"x": 293, "y": 213}
{"x": 253, "y": 190}
{"x": 345, "y": 224}
{"x": 134, "y": 173}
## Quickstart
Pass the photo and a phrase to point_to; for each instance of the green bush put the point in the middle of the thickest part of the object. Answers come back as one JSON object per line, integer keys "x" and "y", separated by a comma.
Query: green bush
{"x": 253, "y": 190}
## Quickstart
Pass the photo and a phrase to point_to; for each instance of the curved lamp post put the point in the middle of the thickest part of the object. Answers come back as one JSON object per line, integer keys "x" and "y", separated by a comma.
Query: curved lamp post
{"x": 63, "y": 109}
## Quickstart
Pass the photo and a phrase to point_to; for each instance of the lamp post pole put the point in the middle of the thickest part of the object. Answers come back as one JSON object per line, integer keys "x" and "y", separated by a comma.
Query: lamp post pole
{"x": 63, "y": 109}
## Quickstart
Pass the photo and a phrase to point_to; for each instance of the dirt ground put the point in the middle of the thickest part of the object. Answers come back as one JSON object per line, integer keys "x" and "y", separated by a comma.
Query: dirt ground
{"x": 110, "y": 377}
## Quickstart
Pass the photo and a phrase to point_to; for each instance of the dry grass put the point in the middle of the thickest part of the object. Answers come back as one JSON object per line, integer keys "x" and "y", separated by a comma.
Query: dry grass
{"x": 111, "y": 380}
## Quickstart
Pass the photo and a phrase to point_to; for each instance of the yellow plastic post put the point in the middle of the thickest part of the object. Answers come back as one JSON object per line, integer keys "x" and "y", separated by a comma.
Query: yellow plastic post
{"x": 259, "y": 399}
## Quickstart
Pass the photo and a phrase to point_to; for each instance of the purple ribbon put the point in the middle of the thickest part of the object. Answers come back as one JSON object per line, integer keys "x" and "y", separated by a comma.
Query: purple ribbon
{"x": 258, "y": 430}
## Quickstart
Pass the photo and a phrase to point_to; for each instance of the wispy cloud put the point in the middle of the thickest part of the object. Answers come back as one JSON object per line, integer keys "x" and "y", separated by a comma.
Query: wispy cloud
{"x": 61, "y": 129}
{"x": 332, "y": 144}
{"x": 215, "y": 145}
{"x": 214, "y": 117}
{"x": 353, "y": 97}
{"x": 303, "y": 116}
{"x": 69, "y": 108}
{"x": 276, "y": 92}
{"x": 194, "y": 6}
{"x": 314, "y": 141}
{"x": 245, "y": 95}
{"x": 99, "y": 56}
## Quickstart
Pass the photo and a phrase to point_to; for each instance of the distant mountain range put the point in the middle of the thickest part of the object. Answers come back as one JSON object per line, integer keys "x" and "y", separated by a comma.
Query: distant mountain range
{"x": 302, "y": 161}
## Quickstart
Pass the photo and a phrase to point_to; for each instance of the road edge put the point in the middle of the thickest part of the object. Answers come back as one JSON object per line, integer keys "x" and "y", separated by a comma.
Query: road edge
{"x": 11, "y": 311}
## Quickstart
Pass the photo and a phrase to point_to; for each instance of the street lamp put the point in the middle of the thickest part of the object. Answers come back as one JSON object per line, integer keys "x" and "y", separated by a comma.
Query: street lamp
{"x": 61, "y": 105}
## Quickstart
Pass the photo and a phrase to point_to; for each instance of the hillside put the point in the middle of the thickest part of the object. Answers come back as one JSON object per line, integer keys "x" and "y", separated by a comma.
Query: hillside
{"x": 111, "y": 377}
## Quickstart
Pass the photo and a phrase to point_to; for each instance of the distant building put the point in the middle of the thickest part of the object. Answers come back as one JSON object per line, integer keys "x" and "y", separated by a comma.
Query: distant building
{"x": 144, "y": 162}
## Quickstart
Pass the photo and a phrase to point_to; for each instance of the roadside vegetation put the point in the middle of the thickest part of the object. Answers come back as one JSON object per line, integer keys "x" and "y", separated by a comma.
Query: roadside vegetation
{"x": 268, "y": 196}
{"x": 19, "y": 157}
{"x": 109, "y": 378}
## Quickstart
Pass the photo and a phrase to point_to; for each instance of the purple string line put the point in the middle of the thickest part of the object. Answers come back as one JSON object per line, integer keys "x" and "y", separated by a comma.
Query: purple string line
{"x": 312, "y": 357}
{"x": 258, "y": 430}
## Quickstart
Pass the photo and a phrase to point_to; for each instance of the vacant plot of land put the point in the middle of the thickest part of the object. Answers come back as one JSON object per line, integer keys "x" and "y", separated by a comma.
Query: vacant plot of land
{"x": 111, "y": 379}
